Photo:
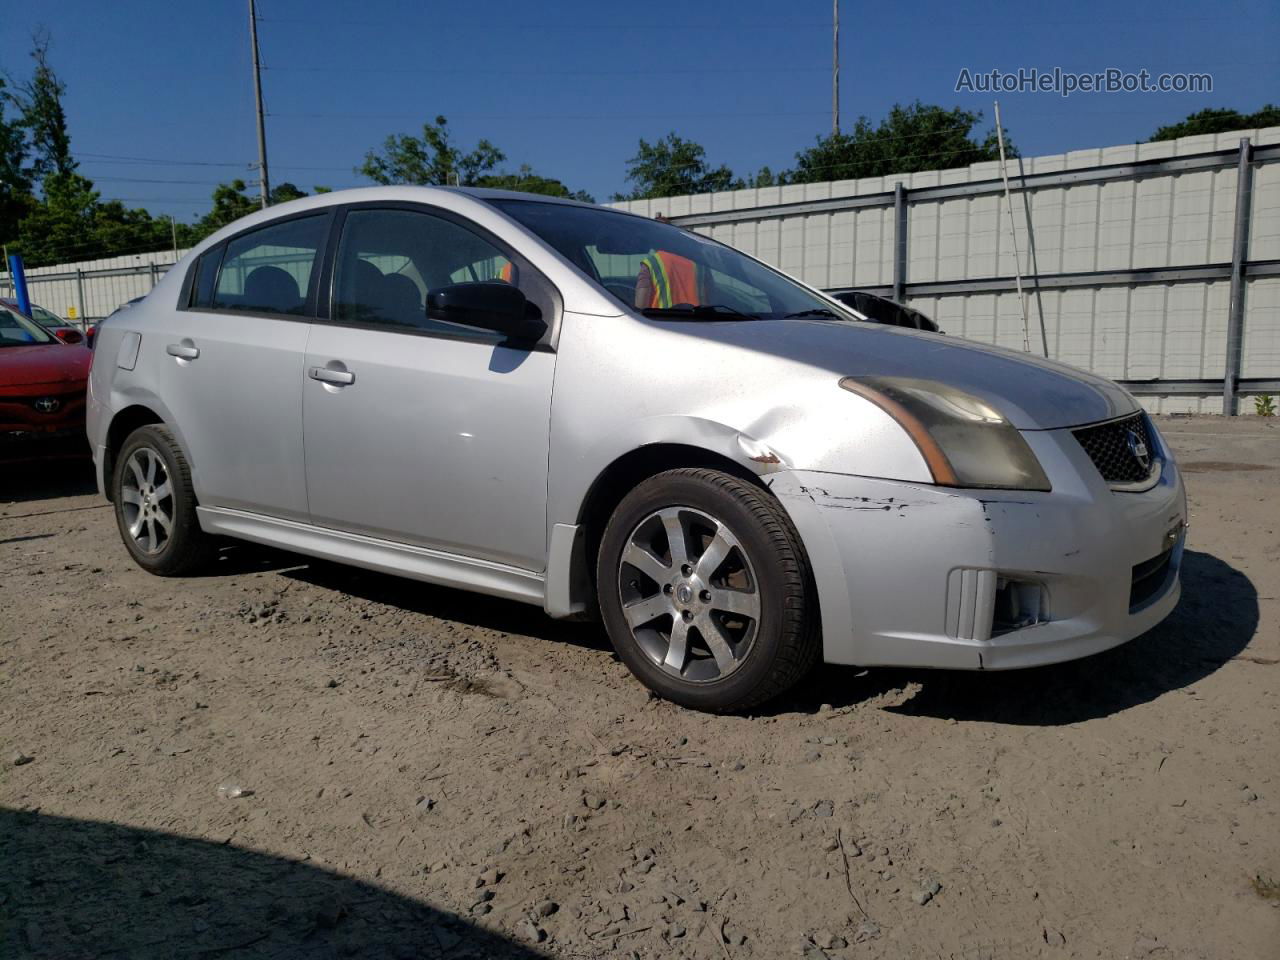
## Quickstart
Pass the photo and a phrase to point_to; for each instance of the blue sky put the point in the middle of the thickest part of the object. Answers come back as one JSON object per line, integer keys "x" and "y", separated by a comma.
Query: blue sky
{"x": 569, "y": 87}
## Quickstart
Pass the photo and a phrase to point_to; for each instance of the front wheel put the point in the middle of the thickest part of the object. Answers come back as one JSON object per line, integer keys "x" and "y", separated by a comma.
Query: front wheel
{"x": 155, "y": 504}
{"x": 705, "y": 591}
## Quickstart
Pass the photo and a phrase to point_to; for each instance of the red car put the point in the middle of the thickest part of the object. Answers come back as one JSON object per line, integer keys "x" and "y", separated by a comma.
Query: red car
{"x": 42, "y": 381}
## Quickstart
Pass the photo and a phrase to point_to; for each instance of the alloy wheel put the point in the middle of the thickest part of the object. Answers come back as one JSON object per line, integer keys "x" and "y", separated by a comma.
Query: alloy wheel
{"x": 146, "y": 497}
{"x": 689, "y": 594}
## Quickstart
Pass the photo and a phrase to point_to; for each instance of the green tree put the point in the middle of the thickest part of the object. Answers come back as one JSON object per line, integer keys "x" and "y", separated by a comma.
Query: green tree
{"x": 40, "y": 102}
{"x": 72, "y": 222}
{"x": 116, "y": 229}
{"x": 60, "y": 227}
{"x": 526, "y": 181}
{"x": 429, "y": 160}
{"x": 230, "y": 203}
{"x": 912, "y": 138}
{"x": 15, "y": 181}
{"x": 69, "y": 220}
{"x": 671, "y": 167}
{"x": 765, "y": 178}
{"x": 1219, "y": 120}
{"x": 284, "y": 192}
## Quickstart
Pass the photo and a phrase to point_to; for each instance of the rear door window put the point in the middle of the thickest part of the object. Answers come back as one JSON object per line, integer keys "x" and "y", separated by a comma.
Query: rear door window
{"x": 269, "y": 270}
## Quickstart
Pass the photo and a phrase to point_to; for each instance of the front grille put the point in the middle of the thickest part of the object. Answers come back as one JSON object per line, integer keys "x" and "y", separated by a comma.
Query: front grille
{"x": 1148, "y": 577}
{"x": 1115, "y": 448}
{"x": 64, "y": 400}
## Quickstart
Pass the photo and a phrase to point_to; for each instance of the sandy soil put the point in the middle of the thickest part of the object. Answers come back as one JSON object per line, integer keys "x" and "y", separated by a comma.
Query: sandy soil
{"x": 429, "y": 773}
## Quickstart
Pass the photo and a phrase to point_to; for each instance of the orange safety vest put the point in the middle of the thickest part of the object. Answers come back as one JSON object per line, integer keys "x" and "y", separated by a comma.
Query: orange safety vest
{"x": 676, "y": 279}
{"x": 507, "y": 273}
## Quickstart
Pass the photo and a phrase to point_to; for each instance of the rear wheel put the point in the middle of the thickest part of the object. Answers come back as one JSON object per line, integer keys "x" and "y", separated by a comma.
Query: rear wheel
{"x": 155, "y": 505}
{"x": 704, "y": 589}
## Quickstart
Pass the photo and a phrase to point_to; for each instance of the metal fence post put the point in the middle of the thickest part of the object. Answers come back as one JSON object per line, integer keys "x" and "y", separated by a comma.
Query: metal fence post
{"x": 899, "y": 242}
{"x": 84, "y": 317}
{"x": 1239, "y": 253}
{"x": 154, "y": 281}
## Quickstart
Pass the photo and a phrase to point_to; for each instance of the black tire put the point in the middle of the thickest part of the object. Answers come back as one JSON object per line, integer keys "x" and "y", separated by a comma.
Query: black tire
{"x": 785, "y": 640}
{"x": 185, "y": 548}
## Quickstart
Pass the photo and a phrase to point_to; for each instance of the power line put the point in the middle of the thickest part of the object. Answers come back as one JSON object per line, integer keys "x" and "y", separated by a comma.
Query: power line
{"x": 110, "y": 157}
{"x": 470, "y": 70}
{"x": 549, "y": 116}
{"x": 489, "y": 26}
{"x": 160, "y": 161}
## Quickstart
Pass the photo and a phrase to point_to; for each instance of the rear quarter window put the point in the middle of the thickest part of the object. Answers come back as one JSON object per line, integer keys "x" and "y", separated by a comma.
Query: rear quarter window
{"x": 204, "y": 277}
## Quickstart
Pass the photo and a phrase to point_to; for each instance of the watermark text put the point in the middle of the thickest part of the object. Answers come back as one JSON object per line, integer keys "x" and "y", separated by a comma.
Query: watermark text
{"x": 1065, "y": 83}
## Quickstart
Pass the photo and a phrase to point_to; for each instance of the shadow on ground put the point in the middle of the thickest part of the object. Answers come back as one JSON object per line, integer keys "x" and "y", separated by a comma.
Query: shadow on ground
{"x": 1215, "y": 620}
{"x": 460, "y": 606}
{"x": 74, "y": 889}
{"x": 29, "y": 474}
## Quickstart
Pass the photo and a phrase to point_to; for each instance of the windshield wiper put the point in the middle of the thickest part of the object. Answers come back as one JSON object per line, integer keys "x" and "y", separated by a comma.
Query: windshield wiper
{"x": 816, "y": 312}
{"x": 709, "y": 311}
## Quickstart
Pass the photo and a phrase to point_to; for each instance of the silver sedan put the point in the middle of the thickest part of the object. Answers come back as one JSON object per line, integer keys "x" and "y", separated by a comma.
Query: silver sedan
{"x": 604, "y": 415}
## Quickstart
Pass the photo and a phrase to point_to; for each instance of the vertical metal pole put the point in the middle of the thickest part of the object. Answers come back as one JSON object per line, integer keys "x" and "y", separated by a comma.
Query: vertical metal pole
{"x": 84, "y": 321}
{"x": 19, "y": 278}
{"x": 899, "y": 242}
{"x": 1239, "y": 253}
{"x": 257, "y": 96}
{"x": 835, "y": 68}
{"x": 173, "y": 225}
{"x": 1035, "y": 261}
{"x": 1013, "y": 230}
{"x": 154, "y": 275}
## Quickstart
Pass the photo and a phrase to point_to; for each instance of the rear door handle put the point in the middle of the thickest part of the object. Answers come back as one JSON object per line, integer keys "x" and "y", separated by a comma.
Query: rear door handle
{"x": 183, "y": 351}
{"x": 329, "y": 375}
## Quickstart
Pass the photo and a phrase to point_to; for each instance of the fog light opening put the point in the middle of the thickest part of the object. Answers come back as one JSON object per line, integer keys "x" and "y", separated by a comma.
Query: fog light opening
{"x": 1019, "y": 604}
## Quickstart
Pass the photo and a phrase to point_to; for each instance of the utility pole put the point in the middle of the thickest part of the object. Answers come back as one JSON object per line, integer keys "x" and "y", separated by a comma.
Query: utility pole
{"x": 835, "y": 68}
{"x": 257, "y": 95}
{"x": 1013, "y": 233}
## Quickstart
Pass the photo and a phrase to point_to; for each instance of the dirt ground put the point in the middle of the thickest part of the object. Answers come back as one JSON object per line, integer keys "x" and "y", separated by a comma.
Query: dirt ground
{"x": 429, "y": 773}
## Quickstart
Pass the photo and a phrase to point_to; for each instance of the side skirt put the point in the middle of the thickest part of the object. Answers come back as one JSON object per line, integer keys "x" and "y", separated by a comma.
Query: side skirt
{"x": 385, "y": 556}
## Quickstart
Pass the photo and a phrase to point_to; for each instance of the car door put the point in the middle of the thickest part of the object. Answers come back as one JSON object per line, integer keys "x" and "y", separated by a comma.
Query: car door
{"x": 229, "y": 366}
{"x": 419, "y": 431}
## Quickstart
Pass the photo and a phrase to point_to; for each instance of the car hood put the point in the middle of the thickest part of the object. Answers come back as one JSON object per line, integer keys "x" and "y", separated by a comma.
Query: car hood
{"x": 1033, "y": 393}
{"x": 43, "y": 363}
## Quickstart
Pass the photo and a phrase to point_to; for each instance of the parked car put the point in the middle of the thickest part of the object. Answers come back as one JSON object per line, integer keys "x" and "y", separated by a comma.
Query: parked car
{"x": 42, "y": 381}
{"x": 883, "y": 310}
{"x": 591, "y": 411}
{"x": 64, "y": 331}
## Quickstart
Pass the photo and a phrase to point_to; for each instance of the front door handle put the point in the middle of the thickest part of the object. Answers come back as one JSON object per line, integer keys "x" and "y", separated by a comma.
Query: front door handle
{"x": 183, "y": 351}
{"x": 341, "y": 378}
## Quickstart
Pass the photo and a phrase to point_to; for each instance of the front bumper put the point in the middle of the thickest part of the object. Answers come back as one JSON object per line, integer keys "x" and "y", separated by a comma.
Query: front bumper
{"x": 908, "y": 574}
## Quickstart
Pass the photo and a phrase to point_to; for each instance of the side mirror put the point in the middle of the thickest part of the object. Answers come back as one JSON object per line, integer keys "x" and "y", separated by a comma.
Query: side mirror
{"x": 67, "y": 335}
{"x": 490, "y": 306}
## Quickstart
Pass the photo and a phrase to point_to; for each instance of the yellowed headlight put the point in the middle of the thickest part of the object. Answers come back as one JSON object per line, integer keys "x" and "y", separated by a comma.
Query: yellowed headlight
{"x": 964, "y": 440}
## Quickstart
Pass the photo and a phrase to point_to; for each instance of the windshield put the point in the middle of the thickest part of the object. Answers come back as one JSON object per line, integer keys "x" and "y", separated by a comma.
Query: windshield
{"x": 17, "y": 331}
{"x": 46, "y": 318}
{"x": 664, "y": 271}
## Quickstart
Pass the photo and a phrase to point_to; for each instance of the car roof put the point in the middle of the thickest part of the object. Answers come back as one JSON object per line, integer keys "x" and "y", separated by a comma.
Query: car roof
{"x": 10, "y": 302}
{"x": 447, "y": 197}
